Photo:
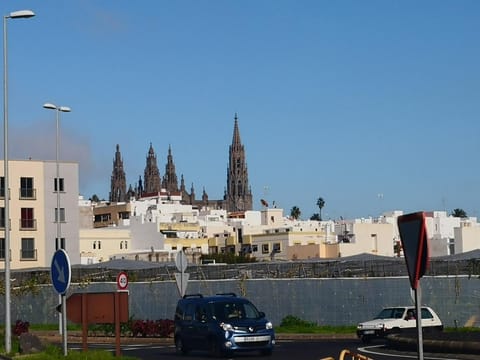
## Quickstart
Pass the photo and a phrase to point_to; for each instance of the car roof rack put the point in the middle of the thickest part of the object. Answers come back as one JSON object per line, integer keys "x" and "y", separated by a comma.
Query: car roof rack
{"x": 232, "y": 294}
{"x": 186, "y": 296}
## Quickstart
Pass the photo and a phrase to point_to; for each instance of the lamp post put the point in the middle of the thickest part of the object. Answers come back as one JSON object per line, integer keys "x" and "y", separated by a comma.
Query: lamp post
{"x": 58, "y": 241}
{"x": 8, "y": 333}
{"x": 58, "y": 110}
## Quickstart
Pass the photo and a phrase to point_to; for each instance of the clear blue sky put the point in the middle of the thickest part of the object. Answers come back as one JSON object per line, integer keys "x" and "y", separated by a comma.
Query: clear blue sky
{"x": 372, "y": 105}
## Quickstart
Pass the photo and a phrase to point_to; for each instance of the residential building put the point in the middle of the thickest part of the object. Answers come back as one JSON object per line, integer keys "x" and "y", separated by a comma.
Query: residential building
{"x": 34, "y": 215}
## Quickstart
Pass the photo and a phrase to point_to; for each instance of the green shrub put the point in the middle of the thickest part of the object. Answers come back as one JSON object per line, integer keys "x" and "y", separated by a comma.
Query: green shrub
{"x": 293, "y": 321}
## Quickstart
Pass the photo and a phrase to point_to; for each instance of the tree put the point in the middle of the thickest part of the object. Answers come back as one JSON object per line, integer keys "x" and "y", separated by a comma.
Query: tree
{"x": 316, "y": 217}
{"x": 320, "y": 204}
{"x": 295, "y": 212}
{"x": 459, "y": 213}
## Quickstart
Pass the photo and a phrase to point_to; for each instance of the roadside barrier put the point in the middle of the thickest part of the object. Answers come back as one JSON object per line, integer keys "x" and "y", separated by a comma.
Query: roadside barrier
{"x": 348, "y": 355}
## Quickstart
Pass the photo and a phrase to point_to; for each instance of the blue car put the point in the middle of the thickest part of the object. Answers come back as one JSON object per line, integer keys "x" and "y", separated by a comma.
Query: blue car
{"x": 221, "y": 324}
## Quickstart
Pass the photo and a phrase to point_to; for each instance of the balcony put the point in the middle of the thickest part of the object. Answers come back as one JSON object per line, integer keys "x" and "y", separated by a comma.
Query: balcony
{"x": 28, "y": 224}
{"x": 28, "y": 194}
{"x": 28, "y": 254}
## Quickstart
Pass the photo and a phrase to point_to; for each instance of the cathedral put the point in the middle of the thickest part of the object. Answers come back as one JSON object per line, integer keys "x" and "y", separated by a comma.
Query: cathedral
{"x": 237, "y": 196}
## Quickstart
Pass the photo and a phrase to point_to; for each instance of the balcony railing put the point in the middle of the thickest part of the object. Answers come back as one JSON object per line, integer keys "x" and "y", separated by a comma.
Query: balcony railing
{"x": 28, "y": 224}
{"x": 28, "y": 254}
{"x": 28, "y": 194}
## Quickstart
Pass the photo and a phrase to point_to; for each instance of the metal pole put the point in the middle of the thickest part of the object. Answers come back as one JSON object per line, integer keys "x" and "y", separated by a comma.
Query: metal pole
{"x": 8, "y": 331}
{"x": 64, "y": 325}
{"x": 58, "y": 242}
{"x": 418, "y": 307}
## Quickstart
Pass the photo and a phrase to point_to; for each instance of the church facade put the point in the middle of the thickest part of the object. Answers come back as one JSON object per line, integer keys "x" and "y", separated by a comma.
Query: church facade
{"x": 237, "y": 196}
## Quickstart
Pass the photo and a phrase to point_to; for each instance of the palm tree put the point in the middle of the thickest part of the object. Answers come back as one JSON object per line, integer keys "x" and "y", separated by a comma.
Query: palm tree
{"x": 320, "y": 204}
{"x": 316, "y": 217}
{"x": 295, "y": 212}
{"x": 459, "y": 213}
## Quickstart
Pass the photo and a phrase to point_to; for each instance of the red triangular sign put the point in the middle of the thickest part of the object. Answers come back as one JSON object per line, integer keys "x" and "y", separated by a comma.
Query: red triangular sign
{"x": 413, "y": 235}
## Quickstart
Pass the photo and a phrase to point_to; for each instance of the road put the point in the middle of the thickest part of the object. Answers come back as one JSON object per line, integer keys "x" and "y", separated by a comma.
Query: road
{"x": 285, "y": 350}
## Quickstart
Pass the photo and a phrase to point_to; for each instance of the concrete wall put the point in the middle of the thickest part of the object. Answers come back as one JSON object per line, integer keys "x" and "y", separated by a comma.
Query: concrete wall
{"x": 341, "y": 301}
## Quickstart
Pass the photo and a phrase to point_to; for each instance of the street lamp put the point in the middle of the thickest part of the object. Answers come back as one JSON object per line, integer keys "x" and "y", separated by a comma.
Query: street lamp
{"x": 8, "y": 332}
{"x": 58, "y": 110}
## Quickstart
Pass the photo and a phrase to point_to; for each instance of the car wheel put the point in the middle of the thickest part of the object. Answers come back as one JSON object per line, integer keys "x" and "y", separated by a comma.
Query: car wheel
{"x": 180, "y": 347}
{"x": 395, "y": 331}
{"x": 366, "y": 339}
{"x": 215, "y": 349}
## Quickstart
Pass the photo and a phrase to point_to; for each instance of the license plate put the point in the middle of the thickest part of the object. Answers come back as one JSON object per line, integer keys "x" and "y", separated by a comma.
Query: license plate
{"x": 369, "y": 332}
{"x": 252, "y": 338}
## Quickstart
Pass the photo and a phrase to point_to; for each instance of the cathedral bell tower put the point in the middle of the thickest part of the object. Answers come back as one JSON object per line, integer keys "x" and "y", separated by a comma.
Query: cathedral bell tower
{"x": 238, "y": 194}
{"x": 151, "y": 178}
{"x": 118, "y": 184}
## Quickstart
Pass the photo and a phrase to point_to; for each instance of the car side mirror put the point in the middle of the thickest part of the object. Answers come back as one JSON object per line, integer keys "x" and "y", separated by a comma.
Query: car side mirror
{"x": 261, "y": 314}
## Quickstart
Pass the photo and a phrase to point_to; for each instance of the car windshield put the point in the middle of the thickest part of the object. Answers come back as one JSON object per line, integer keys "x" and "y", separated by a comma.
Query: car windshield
{"x": 391, "y": 313}
{"x": 226, "y": 310}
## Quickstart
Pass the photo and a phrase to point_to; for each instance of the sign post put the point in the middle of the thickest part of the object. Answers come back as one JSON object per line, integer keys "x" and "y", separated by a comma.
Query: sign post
{"x": 413, "y": 235}
{"x": 122, "y": 280}
{"x": 182, "y": 278}
{"x": 61, "y": 275}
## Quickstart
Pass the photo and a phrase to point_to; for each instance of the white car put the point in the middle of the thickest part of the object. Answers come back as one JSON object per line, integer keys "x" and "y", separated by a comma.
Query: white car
{"x": 398, "y": 319}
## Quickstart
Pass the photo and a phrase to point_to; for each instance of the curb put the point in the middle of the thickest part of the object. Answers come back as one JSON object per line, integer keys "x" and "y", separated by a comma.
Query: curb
{"x": 436, "y": 346}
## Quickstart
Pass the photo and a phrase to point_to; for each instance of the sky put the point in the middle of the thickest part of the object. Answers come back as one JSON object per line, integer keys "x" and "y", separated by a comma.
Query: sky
{"x": 371, "y": 105}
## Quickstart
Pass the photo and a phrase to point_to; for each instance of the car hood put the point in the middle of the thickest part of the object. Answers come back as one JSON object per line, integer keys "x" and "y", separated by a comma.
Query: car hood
{"x": 375, "y": 322}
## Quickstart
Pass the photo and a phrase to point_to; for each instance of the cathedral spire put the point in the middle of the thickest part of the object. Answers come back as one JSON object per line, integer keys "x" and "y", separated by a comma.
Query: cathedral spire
{"x": 152, "y": 183}
{"x": 238, "y": 195}
{"x": 236, "y": 142}
{"x": 170, "y": 182}
{"x": 118, "y": 185}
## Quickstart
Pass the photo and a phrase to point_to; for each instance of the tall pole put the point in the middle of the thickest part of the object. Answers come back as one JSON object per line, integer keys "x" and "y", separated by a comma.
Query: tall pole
{"x": 8, "y": 331}
{"x": 58, "y": 242}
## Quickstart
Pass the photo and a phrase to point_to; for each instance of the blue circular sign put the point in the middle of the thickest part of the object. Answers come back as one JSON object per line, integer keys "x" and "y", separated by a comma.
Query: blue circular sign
{"x": 60, "y": 271}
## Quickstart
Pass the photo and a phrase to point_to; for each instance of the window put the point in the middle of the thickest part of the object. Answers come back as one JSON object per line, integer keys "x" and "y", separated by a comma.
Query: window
{"x": 59, "y": 244}
{"x": 62, "y": 214}
{"x": 276, "y": 247}
{"x": 28, "y": 249}
{"x": 27, "y": 221}
{"x": 254, "y": 248}
{"x": 26, "y": 188}
{"x": 99, "y": 245}
{"x": 2, "y": 248}
{"x": 61, "y": 182}
{"x": 265, "y": 249}
{"x": 2, "y": 217}
{"x": 2, "y": 187}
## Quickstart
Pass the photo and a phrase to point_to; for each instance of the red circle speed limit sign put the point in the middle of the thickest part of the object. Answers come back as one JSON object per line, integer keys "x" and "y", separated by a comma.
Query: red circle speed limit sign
{"x": 122, "y": 280}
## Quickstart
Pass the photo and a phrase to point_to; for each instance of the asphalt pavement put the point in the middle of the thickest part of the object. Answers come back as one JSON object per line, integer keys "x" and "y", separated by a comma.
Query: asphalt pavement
{"x": 446, "y": 342}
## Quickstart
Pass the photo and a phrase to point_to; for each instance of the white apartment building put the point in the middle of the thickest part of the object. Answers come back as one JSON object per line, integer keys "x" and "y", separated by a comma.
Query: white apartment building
{"x": 157, "y": 227}
{"x": 34, "y": 214}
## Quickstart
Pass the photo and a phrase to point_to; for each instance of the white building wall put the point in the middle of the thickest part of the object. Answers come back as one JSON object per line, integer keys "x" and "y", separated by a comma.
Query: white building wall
{"x": 371, "y": 238}
{"x": 69, "y": 201}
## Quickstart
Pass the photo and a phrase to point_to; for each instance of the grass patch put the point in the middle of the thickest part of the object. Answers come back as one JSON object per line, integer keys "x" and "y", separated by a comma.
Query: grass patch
{"x": 294, "y": 325}
{"x": 53, "y": 353}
